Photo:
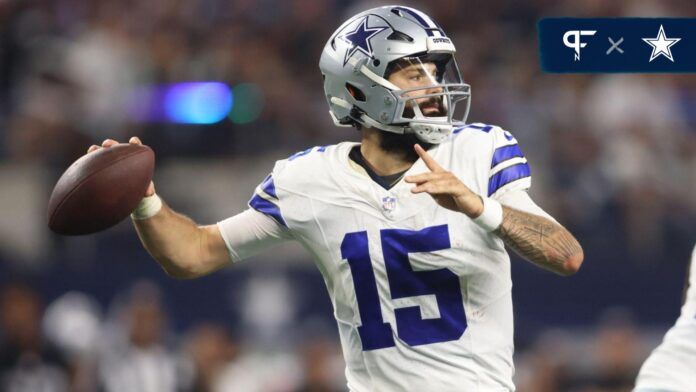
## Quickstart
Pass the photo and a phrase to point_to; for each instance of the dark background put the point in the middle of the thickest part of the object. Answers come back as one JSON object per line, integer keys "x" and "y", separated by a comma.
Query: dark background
{"x": 612, "y": 159}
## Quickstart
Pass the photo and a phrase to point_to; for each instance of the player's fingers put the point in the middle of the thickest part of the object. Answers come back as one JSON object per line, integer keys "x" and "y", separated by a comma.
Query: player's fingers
{"x": 418, "y": 178}
{"x": 109, "y": 143}
{"x": 428, "y": 188}
{"x": 418, "y": 189}
{"x": 446, "y": 185}
{"x": 92, "y": 148}
{"x": 429, "y": 161}
{"x": 135, "y": 140}
{"x": 430, "y": 176}
{"x": 433, "y": 188}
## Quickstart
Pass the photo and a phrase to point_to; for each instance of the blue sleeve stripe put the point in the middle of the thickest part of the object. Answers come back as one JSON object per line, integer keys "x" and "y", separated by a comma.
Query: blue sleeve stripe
{"x": 299, "y": 154}
{"x": 481, "y": 127}
{"x": 269, "y": 187}
{"x": 266, "y": 207}
{"x": 504, "y": 153}
{"x": 508, "y": 175}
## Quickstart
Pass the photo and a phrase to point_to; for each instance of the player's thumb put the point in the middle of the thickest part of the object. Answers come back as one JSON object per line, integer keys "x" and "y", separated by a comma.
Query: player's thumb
{"x": 151, "y": 188}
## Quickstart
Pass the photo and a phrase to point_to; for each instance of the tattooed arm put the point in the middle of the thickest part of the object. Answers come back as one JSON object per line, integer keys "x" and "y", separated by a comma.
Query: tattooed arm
{"x": 536, "y": 238}
{"x": 541, "y": 241}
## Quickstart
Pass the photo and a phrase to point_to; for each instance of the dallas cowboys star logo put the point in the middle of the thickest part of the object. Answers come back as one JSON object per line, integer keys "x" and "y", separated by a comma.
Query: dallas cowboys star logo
{"x": 661, "y": 45}
{"x": 359, "y": 39}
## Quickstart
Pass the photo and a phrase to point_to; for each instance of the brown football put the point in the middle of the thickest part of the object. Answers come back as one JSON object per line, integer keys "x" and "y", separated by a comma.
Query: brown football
{"x": 100, "y": 189}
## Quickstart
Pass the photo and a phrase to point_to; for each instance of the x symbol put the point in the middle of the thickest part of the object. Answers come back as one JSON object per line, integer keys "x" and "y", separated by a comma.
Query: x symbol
{"x": 615, "y": 45}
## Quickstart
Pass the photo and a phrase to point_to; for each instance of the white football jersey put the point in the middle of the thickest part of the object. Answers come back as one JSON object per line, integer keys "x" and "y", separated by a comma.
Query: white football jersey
{"x": 421, "y": 294}
{"x": 672, "y": 365}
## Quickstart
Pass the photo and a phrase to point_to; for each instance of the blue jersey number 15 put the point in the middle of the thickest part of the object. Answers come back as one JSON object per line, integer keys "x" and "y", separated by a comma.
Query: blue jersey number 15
{"x": 404, "y": 282}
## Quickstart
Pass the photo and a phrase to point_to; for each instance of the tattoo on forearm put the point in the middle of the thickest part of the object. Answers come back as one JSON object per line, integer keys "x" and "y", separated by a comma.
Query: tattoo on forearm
{"x": 538, "y": 239}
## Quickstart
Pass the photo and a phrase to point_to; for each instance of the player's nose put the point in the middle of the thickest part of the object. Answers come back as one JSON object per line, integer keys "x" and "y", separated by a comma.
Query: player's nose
{"x": 434, "y": 90}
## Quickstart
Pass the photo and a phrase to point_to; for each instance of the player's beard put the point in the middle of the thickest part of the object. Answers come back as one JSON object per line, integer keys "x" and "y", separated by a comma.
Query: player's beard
{"x": 402, "y": 145}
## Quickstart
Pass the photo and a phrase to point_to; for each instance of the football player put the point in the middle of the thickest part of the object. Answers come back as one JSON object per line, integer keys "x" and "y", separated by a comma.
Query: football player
{"x": 672, "y": 365}
{"x": 408, "y": 227}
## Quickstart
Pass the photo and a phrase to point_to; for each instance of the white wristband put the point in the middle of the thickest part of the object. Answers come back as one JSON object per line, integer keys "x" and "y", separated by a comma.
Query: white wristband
{"x": 492, "y": 215}
{"x": 147, "y": 208}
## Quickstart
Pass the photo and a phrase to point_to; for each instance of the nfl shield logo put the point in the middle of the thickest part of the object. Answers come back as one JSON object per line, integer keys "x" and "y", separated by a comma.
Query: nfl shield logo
{"x": 389, "y": 203}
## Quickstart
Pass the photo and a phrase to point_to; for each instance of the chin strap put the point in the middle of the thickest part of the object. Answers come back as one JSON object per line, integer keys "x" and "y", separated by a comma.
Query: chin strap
{"x": 428, "y": 133}
{"x": 364, "y": 118}
{"x": 338, "y": 122}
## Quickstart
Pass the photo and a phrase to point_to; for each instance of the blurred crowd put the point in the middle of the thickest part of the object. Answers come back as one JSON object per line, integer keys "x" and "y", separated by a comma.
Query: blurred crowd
{"x": 613, "y": 157}
{"x": 73, "y": 345}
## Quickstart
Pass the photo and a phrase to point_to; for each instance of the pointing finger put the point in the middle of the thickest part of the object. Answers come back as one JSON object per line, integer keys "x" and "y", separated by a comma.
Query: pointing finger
{"x": 429, "y": 161}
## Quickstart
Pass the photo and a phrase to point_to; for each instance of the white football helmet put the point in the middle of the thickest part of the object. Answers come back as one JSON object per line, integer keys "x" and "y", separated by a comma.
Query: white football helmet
{"x": 359, "y": 58}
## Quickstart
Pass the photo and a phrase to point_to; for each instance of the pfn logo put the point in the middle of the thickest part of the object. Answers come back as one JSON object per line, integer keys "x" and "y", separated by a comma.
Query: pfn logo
{"x": 576, "y": 43}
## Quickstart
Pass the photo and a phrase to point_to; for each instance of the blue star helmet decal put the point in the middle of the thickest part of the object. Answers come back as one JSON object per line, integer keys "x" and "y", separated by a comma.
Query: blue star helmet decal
{"x": 359, "y": 39}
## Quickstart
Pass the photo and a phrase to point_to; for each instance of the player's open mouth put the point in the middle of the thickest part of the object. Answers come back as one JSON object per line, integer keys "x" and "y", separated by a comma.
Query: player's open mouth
{"x": 430, "y": 109}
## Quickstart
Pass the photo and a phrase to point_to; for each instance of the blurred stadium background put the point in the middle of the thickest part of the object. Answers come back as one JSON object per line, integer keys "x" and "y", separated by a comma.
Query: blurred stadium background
{"x": 223, "y": 88}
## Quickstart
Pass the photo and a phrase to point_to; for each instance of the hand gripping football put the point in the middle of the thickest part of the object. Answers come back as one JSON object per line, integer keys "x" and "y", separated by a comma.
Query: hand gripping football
{"x": 100, "y": 189}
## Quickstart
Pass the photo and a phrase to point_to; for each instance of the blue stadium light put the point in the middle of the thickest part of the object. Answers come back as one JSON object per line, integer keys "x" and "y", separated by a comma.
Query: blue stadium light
{"x": 198, "y": 102}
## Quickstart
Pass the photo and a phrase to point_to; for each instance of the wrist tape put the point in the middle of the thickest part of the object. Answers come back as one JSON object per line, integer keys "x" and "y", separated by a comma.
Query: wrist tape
{"x": 147, "y": 208}
{"x": 492, "y": 215}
